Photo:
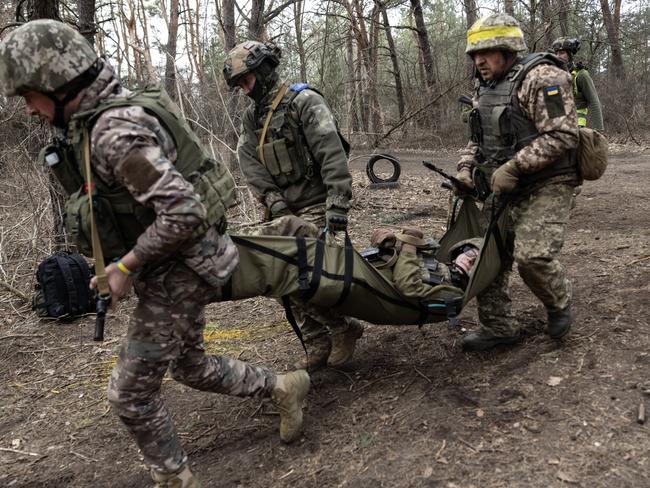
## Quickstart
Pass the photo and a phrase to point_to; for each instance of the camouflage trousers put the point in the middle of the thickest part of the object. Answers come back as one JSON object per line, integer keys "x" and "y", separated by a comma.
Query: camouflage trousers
{"x": 536, "y": 228}
{"x": 314, "y": 321}
{"x": 166, "y": 333}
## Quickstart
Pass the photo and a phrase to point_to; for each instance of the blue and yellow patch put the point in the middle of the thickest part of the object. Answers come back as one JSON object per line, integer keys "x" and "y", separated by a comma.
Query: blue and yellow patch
{"x": 551, "y": 90}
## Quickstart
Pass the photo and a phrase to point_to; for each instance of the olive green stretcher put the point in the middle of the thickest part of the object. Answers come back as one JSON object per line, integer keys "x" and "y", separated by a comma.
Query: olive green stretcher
{"x": 324, "y": 273}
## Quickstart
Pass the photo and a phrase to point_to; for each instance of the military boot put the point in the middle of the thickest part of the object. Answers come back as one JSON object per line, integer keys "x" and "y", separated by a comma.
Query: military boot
{"x": 482, "y": 340}
{"x": 344, "y": 342}
{"x": 318, "y": 350}
{"x": 559, "y": 322}
{"x": 183, "y": 479}
{"x": 289, "y": 396}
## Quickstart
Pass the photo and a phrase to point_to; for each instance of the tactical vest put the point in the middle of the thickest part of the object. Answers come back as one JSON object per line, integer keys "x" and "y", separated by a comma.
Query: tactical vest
{"x": 581, "y": 103}
{"x": 500, "y": 127}
{"x": 286, "y": 153}
{"x": 120, "y": 218}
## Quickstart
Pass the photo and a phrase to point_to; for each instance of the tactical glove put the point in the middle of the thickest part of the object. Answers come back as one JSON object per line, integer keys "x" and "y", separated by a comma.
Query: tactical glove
{"x": 337, "y": 220}
{"x": 279, "y": 209}
{"x": 505, "y": 178}
{"x": 465, "y": 177}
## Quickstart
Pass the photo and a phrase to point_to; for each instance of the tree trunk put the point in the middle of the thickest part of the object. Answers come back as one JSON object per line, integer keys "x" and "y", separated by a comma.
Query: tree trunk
{"x": 423, "y": 43}
{"x": 354, "y": 124}
{"x": 87, "y": 25}
{"x": 399, "y": 90}
{"x": 375, "y": 109}
{"x": 564, "y": 8}
{"x": 43, "y": 9}
{"x": 509, "y": 8}
{"x": 471, "y": 11}
{"x": 548, "y": 23}
{"x": 611, "y": 23}
{"x": 256, "y": 26}
{"x": 170, "y": 50}
{"x": 298, "y": 12}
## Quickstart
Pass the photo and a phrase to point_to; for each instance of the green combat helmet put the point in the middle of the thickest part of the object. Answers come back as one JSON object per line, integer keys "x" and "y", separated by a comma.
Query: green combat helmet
{"x": 49, "y": 57}
{"x": 496, "y": 31}
{"x": 569, "y": 44}
{"x": 246, "y": 57}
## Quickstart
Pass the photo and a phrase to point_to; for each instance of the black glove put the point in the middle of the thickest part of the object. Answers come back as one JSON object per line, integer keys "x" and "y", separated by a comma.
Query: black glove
{"x": 337, "y": 220}
{"x": 279, "y": 209}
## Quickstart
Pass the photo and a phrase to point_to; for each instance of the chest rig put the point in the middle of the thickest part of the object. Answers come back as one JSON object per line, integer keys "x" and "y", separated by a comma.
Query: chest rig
{"x": 501, "y": 128}
{"x": 120, "y": 218}
{"x": 282, "y": 146}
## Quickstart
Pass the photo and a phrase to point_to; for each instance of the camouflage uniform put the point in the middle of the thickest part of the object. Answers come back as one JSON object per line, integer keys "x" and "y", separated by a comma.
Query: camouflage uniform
{"x": 308, "y": 175}
{"x": 539, "y": 209}
{"x": 130, "y": 148}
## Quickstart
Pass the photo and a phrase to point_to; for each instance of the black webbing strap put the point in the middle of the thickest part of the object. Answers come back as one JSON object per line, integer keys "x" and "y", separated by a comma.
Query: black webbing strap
{"x": 317, "y": 271}
{"x": 303, "y": 265}
{"x": 73, "y": 299}
{"x": 226, "y": 291}
{"x": 286, "y": 303}
{"x": 349, "y": 269}
{"x": 493, "y": 227}
{"x": 452, "y": 313}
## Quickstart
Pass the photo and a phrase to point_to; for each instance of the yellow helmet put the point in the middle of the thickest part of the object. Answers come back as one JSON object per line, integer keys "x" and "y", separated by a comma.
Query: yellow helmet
{"x": 496, "y": 31}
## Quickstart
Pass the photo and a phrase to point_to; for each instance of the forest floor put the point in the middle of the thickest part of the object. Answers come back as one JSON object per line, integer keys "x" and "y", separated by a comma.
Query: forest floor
{"x": 410, "y": 410}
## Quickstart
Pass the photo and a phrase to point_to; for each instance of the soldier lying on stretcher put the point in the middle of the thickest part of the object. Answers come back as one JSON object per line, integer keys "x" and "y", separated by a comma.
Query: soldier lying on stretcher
{"x": 408, "y": 261}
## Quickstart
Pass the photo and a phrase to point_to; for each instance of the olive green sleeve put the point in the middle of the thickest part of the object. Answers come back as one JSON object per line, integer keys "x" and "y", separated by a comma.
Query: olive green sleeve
{"x": 321, "y": 133}
{"x": 586, "y": 87}
{"x": 408, "y": 276}
{"x": 256, "y": 174}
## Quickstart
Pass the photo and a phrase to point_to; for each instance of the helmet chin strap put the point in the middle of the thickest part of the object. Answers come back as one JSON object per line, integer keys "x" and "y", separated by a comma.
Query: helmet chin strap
{"x": 71, "y": 90}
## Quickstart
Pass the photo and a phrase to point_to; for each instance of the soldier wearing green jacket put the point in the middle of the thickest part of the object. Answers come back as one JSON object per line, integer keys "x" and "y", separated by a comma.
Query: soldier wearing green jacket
{"x": 296, "y": 162}
{"x": 588, "y": 106}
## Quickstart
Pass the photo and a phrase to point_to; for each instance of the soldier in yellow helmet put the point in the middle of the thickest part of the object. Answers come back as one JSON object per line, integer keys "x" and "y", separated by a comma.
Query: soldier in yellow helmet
{"x": 524, "y": 132}
{"x": 296, "y": 162}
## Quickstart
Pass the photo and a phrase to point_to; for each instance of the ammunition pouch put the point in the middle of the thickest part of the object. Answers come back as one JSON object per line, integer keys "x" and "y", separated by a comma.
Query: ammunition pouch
{"x": 481, "y": 176}
{"x": 475, "y": 128}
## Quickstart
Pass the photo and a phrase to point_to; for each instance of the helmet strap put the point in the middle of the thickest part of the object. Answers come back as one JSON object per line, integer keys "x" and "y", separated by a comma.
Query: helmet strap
{"x": 71, "y": 90}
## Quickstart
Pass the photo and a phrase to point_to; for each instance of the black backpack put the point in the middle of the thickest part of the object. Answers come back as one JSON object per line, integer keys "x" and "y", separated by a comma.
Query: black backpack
{"x": 62, "y": 287}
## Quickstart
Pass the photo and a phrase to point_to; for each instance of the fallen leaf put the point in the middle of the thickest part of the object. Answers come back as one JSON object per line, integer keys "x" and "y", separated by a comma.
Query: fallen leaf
{"x": 480, "y": 413}
{"x": 428, "y": 472}
{"x": 554, "y": 380}
{"x": 553, "y": 461}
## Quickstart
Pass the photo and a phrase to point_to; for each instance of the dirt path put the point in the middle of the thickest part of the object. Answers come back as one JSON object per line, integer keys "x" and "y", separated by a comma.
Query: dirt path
{"x": 411, "y": 410}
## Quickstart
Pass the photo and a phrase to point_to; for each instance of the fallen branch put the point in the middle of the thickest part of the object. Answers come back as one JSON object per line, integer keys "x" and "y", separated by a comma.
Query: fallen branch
{"x": 16, "y": 451}
{"x": 15, "y": 291}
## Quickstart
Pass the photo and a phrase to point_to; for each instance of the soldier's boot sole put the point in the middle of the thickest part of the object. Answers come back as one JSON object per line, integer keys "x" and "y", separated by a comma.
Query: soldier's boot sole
{"x": 289, "y": 398}
{"x": 559, "y": 322}
{"x": 482, "y": 341}
{"x": 183, "y": 479}
{"x": 344, "y": 344}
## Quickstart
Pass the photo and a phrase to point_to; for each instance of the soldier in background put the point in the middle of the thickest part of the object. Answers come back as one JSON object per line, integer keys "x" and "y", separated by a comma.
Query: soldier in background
{"x": 296, "y": 161}
{"x": 588, "y": 105}
{"x": 172, "y": 247}
{"x": 524, "y": 131}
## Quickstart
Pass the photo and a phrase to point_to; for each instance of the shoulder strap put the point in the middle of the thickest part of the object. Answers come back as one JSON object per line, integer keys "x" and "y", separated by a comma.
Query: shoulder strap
{"x": 274, "y": 105}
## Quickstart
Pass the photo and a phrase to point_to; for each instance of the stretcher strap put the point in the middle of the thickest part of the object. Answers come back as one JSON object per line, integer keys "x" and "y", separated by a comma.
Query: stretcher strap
{"x": 303, "y": 265}
{"x": 349, "y": 269}
{"x": 291, "y": 318}
{"x": 317, "y": 270}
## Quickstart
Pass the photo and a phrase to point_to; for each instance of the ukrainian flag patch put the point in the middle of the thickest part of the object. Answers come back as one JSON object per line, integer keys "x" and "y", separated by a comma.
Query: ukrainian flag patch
{"x": 553, "y": 101}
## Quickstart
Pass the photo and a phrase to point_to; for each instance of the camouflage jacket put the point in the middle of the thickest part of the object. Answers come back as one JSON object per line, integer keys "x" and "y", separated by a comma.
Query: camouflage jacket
{"x": 556, "y": 134}
{"x": 330, "y": 183}
{"x": 410, "y": 276}
{"x": 120, "y": 132}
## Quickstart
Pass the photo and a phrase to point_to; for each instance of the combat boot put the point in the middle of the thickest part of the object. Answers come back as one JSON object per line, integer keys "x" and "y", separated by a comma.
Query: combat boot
{"x": 559, "y": 322}
{"x": 289, "y": 396}
{"x": 183, "y": 479}
{"x": 483, "y": 340}
{"x": 318, "y": 350}
{"x": 344, "y": 342}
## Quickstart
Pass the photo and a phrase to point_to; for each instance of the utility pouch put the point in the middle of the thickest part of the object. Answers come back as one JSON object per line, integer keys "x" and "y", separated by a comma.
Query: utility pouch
{"x": 59, "y": 157}
{"x": 475, "y": 129}
{"x": 592, "y": 154}
{"x": 217, "y": 189}
{"x": 481, "y": 179}
{"x": 502, "y": 124}
{"x": 77, "y": 225}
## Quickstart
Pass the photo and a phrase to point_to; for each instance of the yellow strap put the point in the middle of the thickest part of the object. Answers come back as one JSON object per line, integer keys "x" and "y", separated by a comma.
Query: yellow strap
{"x": 481, "y": 33}
{"x": 100, "y": 270}
{"x": 276, "y": 101}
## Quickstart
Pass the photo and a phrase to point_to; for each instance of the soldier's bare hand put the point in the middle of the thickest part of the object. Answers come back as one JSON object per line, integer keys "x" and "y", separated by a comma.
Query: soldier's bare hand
{"x": 119, "y": 283}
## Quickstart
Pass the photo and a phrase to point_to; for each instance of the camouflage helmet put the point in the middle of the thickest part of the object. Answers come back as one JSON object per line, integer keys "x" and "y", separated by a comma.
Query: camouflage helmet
{"x": 247, "y": 56}
{"x": 496, "y": 31}
{"x": 569, "y": 44}
{"x": 44, "y": 56}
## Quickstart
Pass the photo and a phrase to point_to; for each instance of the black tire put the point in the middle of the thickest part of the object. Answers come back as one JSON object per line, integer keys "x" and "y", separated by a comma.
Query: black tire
{"x": 397, "y": 169}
